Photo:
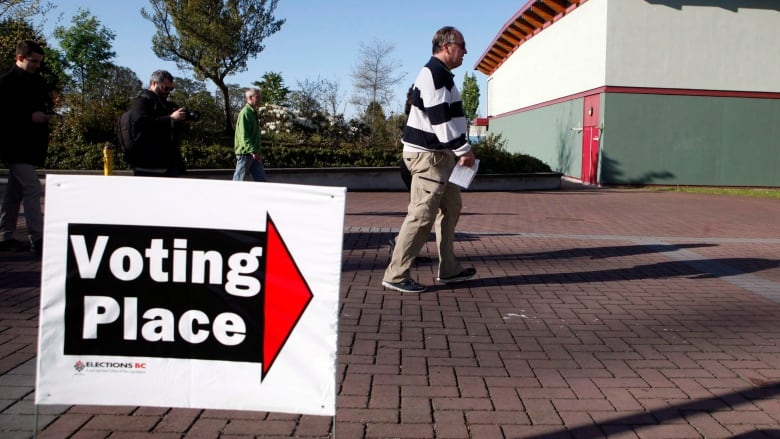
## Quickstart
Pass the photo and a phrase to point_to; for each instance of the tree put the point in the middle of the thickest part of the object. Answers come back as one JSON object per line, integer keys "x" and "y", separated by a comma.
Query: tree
{"x": 23, "y": 10}
{"x": 86, "y": 46}
{"x": 470, "y": 97}
{"x": 90, "y": 119}
{"x": 121, "y": 83}
{"x": 331, "y": 97}
{"x": 374, "y": 76}
{"x": 374, "y": 79}
{"x": 195, "y": 96}
{"x": 15, "y": 19}
{"x": 12, "y": 31}
{"x": 213, "y": 38}
{"x": 272, "y": 88}
{"x": 381, "y": 128}
{"x": 307, "y": 99}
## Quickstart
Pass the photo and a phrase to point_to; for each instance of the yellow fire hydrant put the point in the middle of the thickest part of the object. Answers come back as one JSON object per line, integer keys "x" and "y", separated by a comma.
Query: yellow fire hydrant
{"x": 108, "y": 159}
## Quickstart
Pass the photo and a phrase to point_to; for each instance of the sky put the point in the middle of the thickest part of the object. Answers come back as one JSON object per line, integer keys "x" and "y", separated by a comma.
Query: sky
{"x": 320, "y": 39}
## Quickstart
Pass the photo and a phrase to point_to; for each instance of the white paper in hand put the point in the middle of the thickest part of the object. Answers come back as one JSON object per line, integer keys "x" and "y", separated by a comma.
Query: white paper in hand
{"x": 464, "y": 175}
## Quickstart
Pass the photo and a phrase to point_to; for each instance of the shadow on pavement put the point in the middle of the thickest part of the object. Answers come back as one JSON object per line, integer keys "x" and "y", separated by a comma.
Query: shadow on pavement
{"x": 624, "y": 424}
{"x": 697, "y": 269}
{"x": 599, "y": 252}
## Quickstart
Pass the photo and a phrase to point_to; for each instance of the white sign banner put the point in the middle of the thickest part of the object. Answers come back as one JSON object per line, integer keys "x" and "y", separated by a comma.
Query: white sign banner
{"x": 190, "y": 293}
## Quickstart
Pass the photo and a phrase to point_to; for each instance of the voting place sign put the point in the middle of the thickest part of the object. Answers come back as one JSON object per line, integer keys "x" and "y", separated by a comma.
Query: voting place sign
{"x": 190, "y": 293}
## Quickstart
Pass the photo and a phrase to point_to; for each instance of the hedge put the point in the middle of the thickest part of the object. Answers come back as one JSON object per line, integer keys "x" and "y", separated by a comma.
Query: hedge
{"x": 494, "y": 159}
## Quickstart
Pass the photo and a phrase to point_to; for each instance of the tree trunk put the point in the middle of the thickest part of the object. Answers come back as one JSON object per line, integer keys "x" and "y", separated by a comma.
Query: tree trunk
{"x": 226, "y": 111}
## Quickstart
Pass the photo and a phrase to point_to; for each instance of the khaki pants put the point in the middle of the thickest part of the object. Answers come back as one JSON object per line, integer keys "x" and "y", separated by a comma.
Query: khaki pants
{"x": 433, "y": 201}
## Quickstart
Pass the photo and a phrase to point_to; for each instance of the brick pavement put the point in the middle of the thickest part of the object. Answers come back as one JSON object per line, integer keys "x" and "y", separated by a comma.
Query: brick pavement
{"x": 607, "y": 312}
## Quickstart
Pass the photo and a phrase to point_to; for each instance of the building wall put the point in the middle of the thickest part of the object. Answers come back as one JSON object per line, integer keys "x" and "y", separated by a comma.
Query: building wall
{"x": 565, "y": 58}
{"x": 685, "y": 44}
{"x": 658, "y": 136}
{"x": 546, "y": 133}
{"x": 690, "y": 140}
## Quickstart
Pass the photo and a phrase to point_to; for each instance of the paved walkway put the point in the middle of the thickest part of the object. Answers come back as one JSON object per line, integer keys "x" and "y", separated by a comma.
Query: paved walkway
{"x": 602, "y": 312}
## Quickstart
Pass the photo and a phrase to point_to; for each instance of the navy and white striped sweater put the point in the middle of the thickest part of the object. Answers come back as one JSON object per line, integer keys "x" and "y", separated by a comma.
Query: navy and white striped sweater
{"x": 436, "y": 120}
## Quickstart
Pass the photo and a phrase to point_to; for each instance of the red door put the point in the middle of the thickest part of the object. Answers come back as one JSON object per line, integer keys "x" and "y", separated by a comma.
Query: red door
{"x": 590, "y": 139}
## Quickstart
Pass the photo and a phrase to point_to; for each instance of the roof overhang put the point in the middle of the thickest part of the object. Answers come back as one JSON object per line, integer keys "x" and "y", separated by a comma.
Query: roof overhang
{"x": 527, "y": 22}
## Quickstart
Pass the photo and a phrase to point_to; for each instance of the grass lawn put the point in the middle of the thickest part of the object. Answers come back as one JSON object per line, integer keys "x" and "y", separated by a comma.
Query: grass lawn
{"x": 743, "y": 192}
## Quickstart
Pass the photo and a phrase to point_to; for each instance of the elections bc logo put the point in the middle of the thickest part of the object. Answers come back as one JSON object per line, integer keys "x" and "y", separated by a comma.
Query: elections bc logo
{"x": 114, "y": 366}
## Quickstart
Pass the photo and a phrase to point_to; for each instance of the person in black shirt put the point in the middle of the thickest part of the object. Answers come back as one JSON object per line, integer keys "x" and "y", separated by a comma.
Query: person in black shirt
{"x": 156, "y": 125}
{"x": 25, "y": 108}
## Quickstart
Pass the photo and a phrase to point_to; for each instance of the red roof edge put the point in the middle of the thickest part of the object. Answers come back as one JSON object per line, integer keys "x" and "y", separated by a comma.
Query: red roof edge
{"x": 501, "y": 30}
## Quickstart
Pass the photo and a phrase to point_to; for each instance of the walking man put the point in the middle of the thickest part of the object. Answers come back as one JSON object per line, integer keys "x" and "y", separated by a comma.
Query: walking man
{"x": 157, "y": 124}
{"x": 434, "y": 141}
{"x": 247, "y": 140}
{"x": 25, "y": 110}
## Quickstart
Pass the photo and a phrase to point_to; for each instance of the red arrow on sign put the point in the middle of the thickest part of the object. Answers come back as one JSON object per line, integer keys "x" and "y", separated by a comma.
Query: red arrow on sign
{"x": 286, "y": 296}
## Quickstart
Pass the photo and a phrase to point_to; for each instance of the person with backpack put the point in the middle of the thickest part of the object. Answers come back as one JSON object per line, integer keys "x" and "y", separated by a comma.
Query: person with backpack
{"x": 25, "y": 109}
{"x": 155, "y": 126}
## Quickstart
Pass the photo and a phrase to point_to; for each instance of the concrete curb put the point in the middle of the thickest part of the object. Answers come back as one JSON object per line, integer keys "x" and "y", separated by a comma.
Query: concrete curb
{"x": 356, "y": 179}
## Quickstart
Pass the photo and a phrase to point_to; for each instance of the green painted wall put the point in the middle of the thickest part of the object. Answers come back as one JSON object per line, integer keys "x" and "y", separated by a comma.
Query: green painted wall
{"x": 546, "y": 133}
{"x": 658, "y": 139}
{"x": 690, "y": 140}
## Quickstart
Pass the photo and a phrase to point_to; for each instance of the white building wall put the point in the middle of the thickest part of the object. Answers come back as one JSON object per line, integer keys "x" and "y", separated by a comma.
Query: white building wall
{"x": 566, "y": 58}
{"x": 693, "y": 45}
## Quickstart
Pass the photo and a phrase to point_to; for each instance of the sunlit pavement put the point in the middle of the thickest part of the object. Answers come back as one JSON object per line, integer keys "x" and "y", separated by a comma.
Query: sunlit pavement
{"x": 594, "y": 312}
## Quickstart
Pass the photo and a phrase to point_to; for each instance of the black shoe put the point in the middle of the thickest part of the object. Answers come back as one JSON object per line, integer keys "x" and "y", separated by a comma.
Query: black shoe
{"x": 407, "y": 286}
{"x": 466, "y": 274}
{"x": 13, "y": 245}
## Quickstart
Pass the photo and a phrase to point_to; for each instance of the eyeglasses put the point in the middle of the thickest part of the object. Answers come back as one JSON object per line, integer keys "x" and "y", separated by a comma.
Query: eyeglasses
{"x": 167, "y": 88}
{"x": 461, "y": 45}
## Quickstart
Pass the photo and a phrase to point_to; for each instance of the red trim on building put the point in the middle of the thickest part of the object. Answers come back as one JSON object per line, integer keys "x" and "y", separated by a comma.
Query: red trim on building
{"x": 693, "y": 92}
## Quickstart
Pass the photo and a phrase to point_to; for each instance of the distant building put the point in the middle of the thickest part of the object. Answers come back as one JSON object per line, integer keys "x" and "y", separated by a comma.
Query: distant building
{"x": 683, "y": 92}
{"x": 478, "y": 129}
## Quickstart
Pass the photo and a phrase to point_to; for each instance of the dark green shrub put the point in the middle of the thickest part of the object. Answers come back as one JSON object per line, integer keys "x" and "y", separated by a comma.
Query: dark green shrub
{"x": 308, "y": 157}
{"x": 494, "y": 159}
{"x": 208, "y": 157}
{"x": 74, "y": 156}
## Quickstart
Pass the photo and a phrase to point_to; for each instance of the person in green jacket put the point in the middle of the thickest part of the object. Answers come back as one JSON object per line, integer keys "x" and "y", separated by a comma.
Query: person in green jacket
{"x": 247, "y": 140}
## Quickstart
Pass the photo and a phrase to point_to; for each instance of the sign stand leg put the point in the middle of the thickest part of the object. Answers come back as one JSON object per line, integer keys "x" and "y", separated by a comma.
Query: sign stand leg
{"x": 334, "y": 427}
{"x": 35, "y": 421}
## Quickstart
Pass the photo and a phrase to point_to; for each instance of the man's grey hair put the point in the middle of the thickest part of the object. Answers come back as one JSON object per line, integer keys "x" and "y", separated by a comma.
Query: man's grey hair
{"x": 159, "y": 76}
{"x": 251, "y": 92}
{"x": 442, "y": 36}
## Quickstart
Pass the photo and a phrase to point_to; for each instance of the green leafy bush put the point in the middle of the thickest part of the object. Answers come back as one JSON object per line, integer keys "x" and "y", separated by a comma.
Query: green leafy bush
{"x": 74, "y": 156}
{"x": 309, "y": 157}
{"x": 208, "y": 157}
{"x": 494, "y": 159}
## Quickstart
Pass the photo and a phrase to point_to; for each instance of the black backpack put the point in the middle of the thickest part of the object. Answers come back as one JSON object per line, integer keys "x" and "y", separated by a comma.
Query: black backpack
{"x": 123, "y": 131}
{"x": 125, "y": 139}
